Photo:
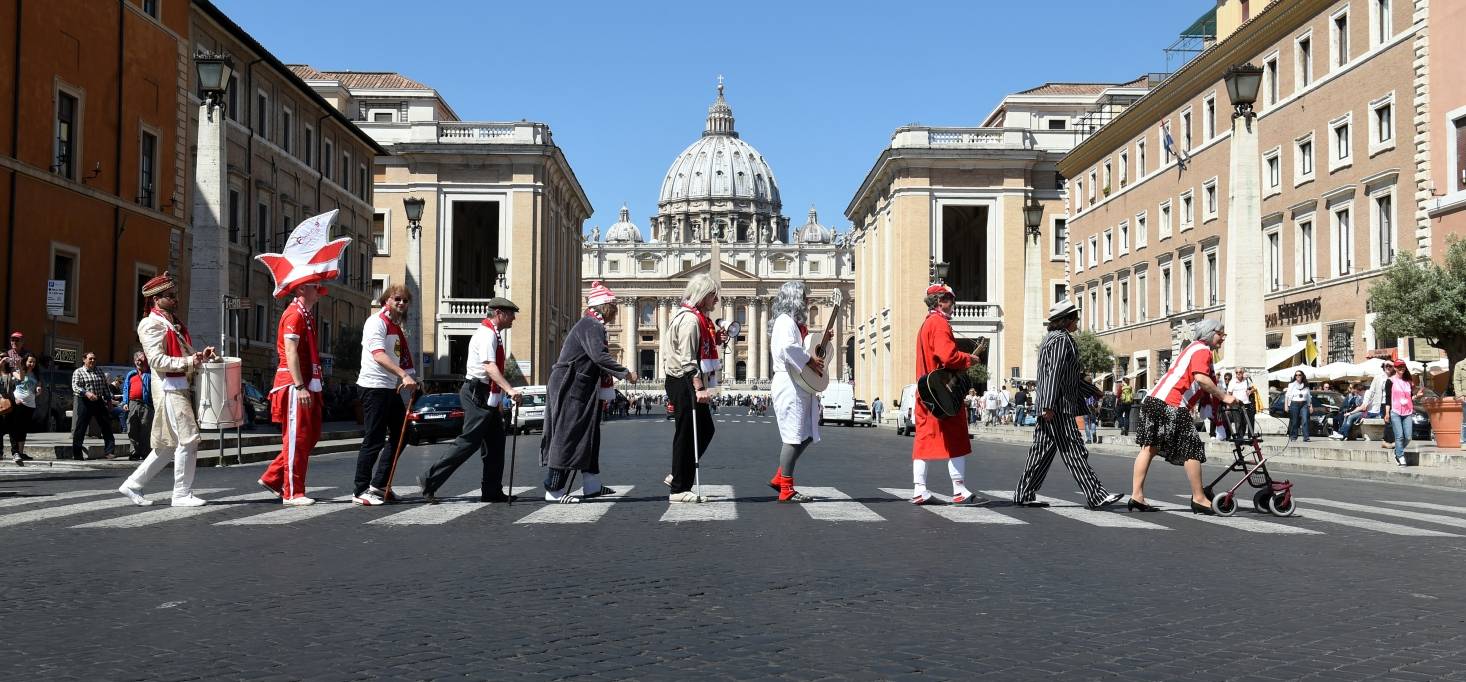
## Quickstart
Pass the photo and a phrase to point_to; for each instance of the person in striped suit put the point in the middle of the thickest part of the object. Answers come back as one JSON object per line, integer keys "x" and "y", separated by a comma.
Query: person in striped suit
{"x": 1059, "y": 398}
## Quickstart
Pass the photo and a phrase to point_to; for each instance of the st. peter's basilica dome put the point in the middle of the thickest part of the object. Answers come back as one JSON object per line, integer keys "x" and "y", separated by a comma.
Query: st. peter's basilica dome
{"x": 719, "y": 165}
{"x": 812, "y": 232}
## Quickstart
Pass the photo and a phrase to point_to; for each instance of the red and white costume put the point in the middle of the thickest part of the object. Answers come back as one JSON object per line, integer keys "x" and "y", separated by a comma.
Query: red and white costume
{"x": 939, "y": 439}
{"x": 1178, "y": 385}
{"x": 175, "y": 435}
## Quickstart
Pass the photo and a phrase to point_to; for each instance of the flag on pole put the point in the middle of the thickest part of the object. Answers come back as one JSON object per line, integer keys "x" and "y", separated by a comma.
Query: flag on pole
{"x": 1170, "y": 145}
{"x": 1310, "y": 352}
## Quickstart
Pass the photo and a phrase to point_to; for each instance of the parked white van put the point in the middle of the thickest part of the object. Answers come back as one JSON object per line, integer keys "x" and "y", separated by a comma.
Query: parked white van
{"x": 531, "y": 412}
{"x": 906, "y": 413}
{"x": 837, "y": 404}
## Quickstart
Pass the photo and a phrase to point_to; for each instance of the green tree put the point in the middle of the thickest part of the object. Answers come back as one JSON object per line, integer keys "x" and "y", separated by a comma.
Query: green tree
{"x": 347, "y": 349}
{"x": 1094, "y": 356}
{"x": 977, "y": 374}
{"x": 512, "y": 374}
{"x": 1418, "y": 297}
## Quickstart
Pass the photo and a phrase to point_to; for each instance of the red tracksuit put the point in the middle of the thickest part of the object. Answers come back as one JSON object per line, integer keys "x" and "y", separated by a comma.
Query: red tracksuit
{"x": 300, "y": 426}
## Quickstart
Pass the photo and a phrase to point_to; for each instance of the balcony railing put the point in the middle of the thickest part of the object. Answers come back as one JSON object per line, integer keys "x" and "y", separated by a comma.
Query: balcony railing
{"x": 464, "y": 307}
{"x": 458, "y": 132}
{"x": 976, "y": 310}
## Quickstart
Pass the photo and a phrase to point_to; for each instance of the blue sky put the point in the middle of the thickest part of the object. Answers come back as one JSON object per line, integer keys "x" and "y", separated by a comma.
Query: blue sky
{"x": 817, "y": 87}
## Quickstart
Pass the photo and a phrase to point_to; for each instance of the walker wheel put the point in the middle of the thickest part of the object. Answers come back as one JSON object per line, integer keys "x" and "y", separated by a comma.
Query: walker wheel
{"x": 1281, "y": 505}
{"x": 1224, "y": 504}
{"x": 1261, "y": 500}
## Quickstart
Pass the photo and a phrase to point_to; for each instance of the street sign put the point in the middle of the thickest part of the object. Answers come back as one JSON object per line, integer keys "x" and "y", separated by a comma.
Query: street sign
{"x": 55, "y": 297}
{"x": 232, "y": 303}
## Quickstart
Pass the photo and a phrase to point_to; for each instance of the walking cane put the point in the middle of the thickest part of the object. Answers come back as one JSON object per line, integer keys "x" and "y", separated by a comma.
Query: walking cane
{"x": 513, "y": 447}
{"x": 401, "y": 441}
{"x": 696, "y": 455}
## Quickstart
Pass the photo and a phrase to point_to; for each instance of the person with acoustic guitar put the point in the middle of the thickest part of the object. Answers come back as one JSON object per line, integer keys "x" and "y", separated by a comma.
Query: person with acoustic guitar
{"x": 941, "y": 438}
{"x": 795, "y": 408}
{"x": 1062, "y": 394}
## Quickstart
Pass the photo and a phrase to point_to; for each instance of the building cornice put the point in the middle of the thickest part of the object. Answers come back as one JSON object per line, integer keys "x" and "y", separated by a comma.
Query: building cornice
{"x": 891, "y": 159}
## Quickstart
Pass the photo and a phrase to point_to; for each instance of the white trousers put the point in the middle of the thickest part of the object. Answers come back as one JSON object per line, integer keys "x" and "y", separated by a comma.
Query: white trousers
{"x": 184, "y": 457}
{"x": 956, "y": 469}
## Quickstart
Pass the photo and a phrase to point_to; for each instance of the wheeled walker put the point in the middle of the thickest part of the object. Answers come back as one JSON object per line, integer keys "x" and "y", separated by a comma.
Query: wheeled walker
{"x": 1271, "y": 496}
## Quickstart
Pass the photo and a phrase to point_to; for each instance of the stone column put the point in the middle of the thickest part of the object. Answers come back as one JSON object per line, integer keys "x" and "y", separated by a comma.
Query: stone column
{"x": 209, "y": 269}
{"x": 628, "y": 333}
{"x": 1244, "y": 311}
{"x": 1033, "y": 298}
{"x": 762, "y": 329}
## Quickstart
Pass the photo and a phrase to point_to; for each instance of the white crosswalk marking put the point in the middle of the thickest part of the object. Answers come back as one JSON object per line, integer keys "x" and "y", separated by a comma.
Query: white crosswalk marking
{"x": 832, "y": 505}
{"x": 150, "y": 516}
{"x": 1385, "y": 511}
{"x": 721, "y": 508}
{"x": 1370, "y": 524}
{"x": 87, "y": 507}
{"x": 1427, "y": 505}
{"x": 28, "y": 500}
{"x": 588, "y": 511}
{"x": 281, "y": 517}
{"x": 958, "y": 514}
{"x": 1077, "y": 512}
{"x": 1238, "y": 522}
{"x": 437, "y": 514}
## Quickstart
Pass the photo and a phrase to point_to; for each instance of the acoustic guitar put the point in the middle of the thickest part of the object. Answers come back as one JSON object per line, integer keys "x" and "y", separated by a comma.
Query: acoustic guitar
{"x": 942, "y": 390}
{"x": 806, "y": 377}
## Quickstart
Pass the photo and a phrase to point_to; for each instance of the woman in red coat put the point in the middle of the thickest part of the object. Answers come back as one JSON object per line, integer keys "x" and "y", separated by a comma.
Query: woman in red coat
{"x": 940, "y": 438}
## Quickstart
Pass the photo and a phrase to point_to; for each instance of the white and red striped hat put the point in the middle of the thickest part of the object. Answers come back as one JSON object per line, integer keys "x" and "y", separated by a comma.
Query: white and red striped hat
{"x": 599, "y": 294}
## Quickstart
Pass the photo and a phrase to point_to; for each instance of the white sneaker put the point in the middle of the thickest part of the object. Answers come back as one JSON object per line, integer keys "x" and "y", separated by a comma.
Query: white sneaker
{"x": 371, "y": 498}
{"x": 189, "y": 501}
{"x": 561, "y": 497}
{"x": 266, "y": 486}
{"x": 301, "y": 501}
{"x": 133, "y": 495}
{"x": 687, "y": 496}
{"x": 1336, "y": 436}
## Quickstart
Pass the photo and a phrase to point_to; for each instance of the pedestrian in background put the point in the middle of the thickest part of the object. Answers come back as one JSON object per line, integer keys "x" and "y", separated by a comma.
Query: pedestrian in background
{"x": 1299, "y": 399}
{"x": 690, "y": 363}
{"x": 1125, "y": 397}
{"x": 137, "y": 406}
{"x": 1403, "y": 394}
{"x": 16, "y": 355}
{"x": 1242, "y": 388}
{"x": 974, "y": 405}
{"x": 24, "y": 388}
{"x": 1022, "y": 401}
{"x": 1091, "y": 411}
{"x": 93, "y": 403}
{"x": 386, "y": 371}
{"x": 877, "y": 408}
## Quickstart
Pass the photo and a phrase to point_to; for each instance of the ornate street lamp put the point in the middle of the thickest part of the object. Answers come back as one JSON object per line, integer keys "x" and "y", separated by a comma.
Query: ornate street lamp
{"x": 213, "y": 70}
{"x": 413, "y": 207}
{"x": 1243, "y": 82}
{"x": 501, "y": 268}
{"x": 1033, "y": 215}
{"x": 940, "y": 270}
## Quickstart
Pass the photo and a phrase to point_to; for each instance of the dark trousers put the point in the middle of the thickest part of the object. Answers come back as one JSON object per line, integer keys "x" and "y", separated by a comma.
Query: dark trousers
{"x": 1060, "y": 436}
{"x": 140, "y": 428}
{"x": 684, "y": 457}
{"x": 483, "y": 432}
{"x": 86, "y": 412}
{"x": 1124, "y": 419}
{"x": 383, "y": 412}
{"x": 1298, "y": 419}
{"x": 18, "y": 424}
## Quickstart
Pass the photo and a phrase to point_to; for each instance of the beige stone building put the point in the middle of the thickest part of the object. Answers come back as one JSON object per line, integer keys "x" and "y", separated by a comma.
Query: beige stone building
{"x": 288, "y": 155}
{"x": 1342, "y": 157}
{"x": 492, "y": 190}
{"x": 956, "y": 196}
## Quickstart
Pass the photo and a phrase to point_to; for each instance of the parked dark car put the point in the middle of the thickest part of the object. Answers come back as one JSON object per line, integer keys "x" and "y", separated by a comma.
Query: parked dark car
{"x": 256, "y": 406}
{"x": 434, "y": 417}
{"x": 1326, "y": 404}
{"x": 1109, "y": 414}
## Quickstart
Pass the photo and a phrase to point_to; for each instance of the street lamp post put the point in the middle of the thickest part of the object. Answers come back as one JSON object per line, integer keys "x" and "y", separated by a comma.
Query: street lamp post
{"x": 1033, "y": 330}
{"x": 1243, "y": 313}
{"x": 412, "y": 207}
{"x": 501, "y": 270}
{"x": 209, "y": 262}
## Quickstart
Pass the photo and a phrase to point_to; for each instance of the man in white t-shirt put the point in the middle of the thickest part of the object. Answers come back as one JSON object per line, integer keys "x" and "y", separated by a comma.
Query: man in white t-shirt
{"x": 386, "y": 371}
{"x": 993, "y": 403}
{"x": 1242, "y": 388}
{"x": 483, "y": 393}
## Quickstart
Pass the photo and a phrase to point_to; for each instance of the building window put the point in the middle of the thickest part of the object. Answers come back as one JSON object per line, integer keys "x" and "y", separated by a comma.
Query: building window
{"x": 1209, "y": 117}
{"x": 287, "y": 129}
{"x": 1274, "y": 261}
{"x": 1092, "y": 183}
{"x": 1163, "y": 227}
{"x": 1094, "y": 308}
{"x": 780, "y": 265}
{"x": 233, "y": 216}
{"x": 1380, "y": 22}
{"x": 262, "y": 228}
{"x": 1078, "y": 257}
{"x": 310, "y": 147}
{"x": 150, "y": 8}
{"x": 379, "y": 285}
{"x": 65, "y": 266}
{"x": 262, "y": 114}
{"x": 1303, "y": 52}
{"x": 1060, "y": 248}
{"x": 346, "y": 171}
{"x": 648, "y": 265}
{"x": 613, "y": 265}
{"x": 1109, "y": 320}
{"x": 147, "y": 170}
{"x": 286, "y": 226}
{"x": 1078, "y": 196}
{"x": 1124, "y": 303}
{"x": 1109, "y": 242}
{"x": 1306, "y": 271}
{"x": 1108, "y": 176}
{"x": 1186, "y": 131}
{"x": 1124, "y": 230}
{"x": 1273, "y": 169}
{"x": 1339, "y": 37}
{"x": 1061, "y": 292}
{"x": 1209, "y": 198}
{"x": 1188, "y": 285}
{"x": 379, "y": 233}
{"x": 1340, "y": 139}
{"x": 1142, "y": 235}
{"x": 1166, "y": 289}
{"x": 814, "y": 267}
{"x": 1213, "y": 283}
{"x": 68, "y": 130}
{"x": 1384, "y": 227}
{"x": 326, "y": 157}
{"x": 381, "y": 117}
{"x": 363, "y": 188}
{"x": 1303, "y": 159}
{"x": 1124, "y": 169}
{"x": 1188, "y": 211}
{"x": 1343, "y": 242}
{"x": 1093, "y": 251}
{"x": 1140, "y": 158}
{"x": 1382, "y": 124}
{"x": 1141, "y": 291}
{"x": 1270, "y": 74}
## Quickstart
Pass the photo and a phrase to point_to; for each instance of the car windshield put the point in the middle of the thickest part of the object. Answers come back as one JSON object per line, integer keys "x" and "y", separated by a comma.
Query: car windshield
{"x": 1328, "y": 398}
{"x": 442, "y": 401}
{"x": 531, "y": 399}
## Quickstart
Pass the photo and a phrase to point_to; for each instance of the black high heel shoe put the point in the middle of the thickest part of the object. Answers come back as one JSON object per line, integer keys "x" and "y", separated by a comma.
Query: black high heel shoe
{"x": 1205, "y": 511}
{"x": 1135, "y": 506}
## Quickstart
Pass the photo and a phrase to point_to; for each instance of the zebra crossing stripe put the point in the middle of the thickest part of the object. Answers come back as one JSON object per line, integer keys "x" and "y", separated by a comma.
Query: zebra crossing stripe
{"x": 1238, "y": 522}
{"x": 720, "y": 508}
{"x": 958, "y": 514}
{"x": 150, "y": 516}
{"x": 588, "y": 511}
{"x": 1427, "y": 505}
{"x": 1076, "y": 512}
{"x": 832, "y": 505}
{"x": 437, "y": 514}
{"x": 320, "y": 508}
{"x": 1370, "y": 524}
{"x": 36, "y": 499}
{"x": 1385, "y": 511}
{"x": 86, "y": 507}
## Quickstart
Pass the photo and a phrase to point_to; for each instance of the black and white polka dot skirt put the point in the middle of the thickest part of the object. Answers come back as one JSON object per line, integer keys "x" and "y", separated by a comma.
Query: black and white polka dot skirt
{"x": 1170, "y": 431}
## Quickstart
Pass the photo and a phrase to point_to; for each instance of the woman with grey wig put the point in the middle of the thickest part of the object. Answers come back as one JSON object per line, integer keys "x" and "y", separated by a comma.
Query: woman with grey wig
{"x": 797, "y": 410}
{"x": 690, "y": 361}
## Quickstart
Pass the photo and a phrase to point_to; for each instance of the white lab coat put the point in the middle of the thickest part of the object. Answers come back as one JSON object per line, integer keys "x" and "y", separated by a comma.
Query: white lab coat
{"x": 797, "y": 411}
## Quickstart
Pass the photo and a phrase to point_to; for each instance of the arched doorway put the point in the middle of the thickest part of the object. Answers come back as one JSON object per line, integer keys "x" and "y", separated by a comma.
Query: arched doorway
{"x": 646, "y": 363}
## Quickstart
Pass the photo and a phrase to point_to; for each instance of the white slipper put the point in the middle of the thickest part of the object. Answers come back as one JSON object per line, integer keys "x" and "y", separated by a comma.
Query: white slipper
{"x": 687, "y": 496}
{"x": 133, "y": 495}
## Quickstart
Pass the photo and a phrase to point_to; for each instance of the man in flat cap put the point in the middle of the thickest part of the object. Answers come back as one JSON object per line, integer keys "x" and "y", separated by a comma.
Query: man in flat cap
{"x": 175, "y": 432}
{"x": 1060, "y": 396}
{"x": 483, "y": 394}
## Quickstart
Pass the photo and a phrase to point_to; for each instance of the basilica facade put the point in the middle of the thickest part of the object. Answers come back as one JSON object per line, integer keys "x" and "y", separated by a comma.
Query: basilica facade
{"x": 720, "y": 197}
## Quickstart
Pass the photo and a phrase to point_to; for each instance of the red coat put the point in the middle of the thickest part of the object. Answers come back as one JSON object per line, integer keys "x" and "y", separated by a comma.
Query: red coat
{"x": 936, "y": 348}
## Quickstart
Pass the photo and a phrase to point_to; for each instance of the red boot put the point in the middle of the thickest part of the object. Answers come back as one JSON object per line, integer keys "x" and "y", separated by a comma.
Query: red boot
{"x": 787, "y": 493}
{"x": 778, "y": 474}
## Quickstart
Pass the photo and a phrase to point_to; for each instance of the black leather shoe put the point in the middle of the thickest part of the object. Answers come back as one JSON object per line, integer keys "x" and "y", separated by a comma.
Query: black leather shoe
{"x": 427, "y": 494}
{"x": 1199, "y": 509}
{"x": 1135, "y": 506}
{"x": 1031, "y": 503}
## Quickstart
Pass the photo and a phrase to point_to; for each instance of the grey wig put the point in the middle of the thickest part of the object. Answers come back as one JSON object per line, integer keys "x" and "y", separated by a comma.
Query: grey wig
{"x": 1206, "y": 330}
{"x": 790, "y": 301}
{"x": 698, "y": 289}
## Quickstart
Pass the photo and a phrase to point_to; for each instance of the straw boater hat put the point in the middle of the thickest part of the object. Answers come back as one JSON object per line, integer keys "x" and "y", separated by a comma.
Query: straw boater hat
{"x": 158, "y": 285}
{"x": 599, "y": 295}
{"x": 1062, "y": 309}
{"x": 308, "y": 257}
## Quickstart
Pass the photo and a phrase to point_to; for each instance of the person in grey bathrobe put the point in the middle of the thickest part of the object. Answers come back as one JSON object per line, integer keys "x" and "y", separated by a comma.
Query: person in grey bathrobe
{"x": 572, "y": 437}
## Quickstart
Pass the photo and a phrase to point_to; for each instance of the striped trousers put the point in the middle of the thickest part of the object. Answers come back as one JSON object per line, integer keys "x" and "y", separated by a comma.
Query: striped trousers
{"x": 1058, "y": 435}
